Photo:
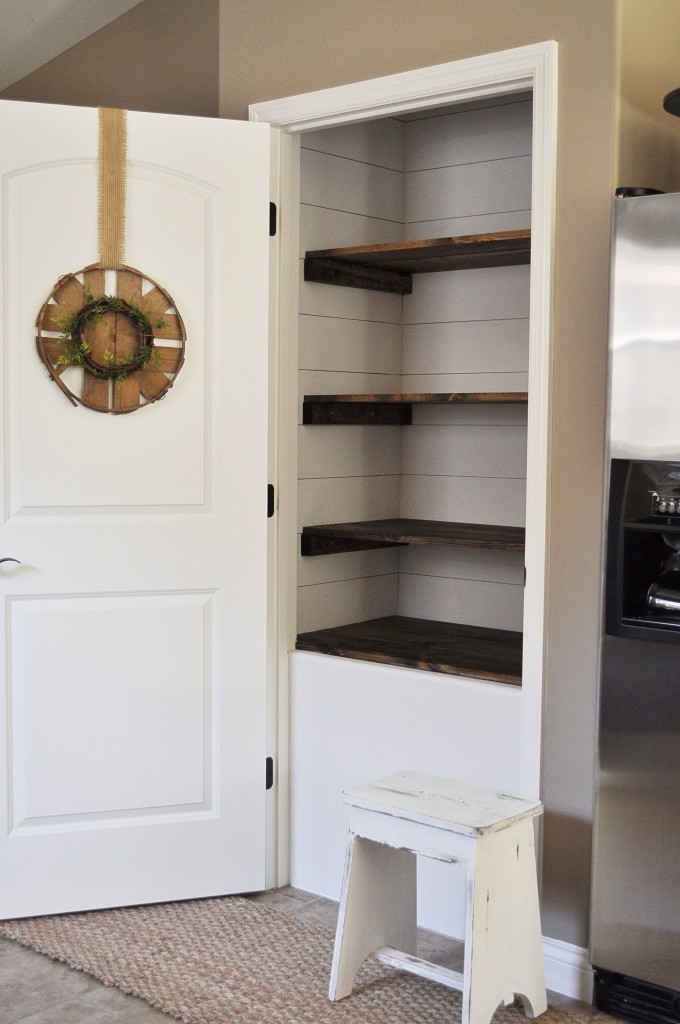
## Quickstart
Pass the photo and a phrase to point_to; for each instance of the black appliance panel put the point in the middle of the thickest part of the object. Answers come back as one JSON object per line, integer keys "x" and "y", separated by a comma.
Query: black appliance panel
{"x": 642, "y": 597}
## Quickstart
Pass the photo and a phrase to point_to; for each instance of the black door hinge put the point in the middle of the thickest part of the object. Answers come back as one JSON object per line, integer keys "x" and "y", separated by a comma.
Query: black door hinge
{"x": 271, "y": 503}
{"x": 272, "y": 219}
{"x": 269, "y": 773}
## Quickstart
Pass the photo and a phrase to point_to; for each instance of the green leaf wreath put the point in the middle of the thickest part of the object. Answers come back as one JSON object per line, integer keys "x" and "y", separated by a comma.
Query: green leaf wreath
{"x": 77, "y": 350}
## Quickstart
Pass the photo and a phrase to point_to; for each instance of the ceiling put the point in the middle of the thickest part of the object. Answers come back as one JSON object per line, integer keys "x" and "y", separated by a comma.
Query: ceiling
{"x": 33, "y": 32}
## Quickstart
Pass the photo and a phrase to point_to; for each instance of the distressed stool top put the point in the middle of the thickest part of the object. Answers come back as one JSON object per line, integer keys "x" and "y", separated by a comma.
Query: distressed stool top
{"x": 454, "y": 806}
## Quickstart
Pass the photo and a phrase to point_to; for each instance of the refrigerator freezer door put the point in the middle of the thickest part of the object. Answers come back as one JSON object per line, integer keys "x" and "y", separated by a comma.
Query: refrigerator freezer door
{"x": 644, "y": 406}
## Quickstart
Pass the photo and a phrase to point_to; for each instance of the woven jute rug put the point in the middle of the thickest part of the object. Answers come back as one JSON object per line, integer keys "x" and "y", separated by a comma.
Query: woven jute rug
{"x": 226, "y": 960}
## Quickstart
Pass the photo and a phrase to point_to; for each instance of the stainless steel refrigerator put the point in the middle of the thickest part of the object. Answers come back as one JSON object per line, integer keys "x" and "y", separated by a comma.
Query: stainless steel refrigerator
{"x": 635, "y": 918}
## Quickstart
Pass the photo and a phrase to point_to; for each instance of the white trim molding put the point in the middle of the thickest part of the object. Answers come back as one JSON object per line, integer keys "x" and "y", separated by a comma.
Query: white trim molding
{"x": 526, "y": 67}
{"x": 567, "y": 970}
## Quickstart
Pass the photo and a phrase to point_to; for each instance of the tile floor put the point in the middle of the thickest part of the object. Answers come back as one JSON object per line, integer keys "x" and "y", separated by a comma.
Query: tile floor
{"x": 36, "y": 990}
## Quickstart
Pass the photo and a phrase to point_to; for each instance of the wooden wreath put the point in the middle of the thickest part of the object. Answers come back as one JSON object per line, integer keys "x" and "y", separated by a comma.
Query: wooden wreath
{"x": 105, "y": 349}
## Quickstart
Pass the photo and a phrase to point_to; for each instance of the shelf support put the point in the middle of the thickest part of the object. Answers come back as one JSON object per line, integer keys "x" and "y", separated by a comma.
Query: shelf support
{"x": 322, "y": 270}
{"x": 379, "y": 414}
{"x": 318, "y": 544}
{"x": 335, "y": 538}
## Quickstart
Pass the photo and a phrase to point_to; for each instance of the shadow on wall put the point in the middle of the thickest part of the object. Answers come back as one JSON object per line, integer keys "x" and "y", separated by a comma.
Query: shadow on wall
{"x": 565, "y": 904}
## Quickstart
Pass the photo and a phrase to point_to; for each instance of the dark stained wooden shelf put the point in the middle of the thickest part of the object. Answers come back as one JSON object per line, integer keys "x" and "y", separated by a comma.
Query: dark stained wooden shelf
{"x": 336, "y": 538}
{"x": 387, "y": 410}
{"x": 389, "y": 267}
{"x": 450, "y": 648}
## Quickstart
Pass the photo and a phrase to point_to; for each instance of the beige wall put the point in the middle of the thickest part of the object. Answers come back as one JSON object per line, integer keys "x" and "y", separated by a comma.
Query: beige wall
{"x": 649, "y": 144}
{"x": 160, "y": 56}
{"x": 163, "y": 55}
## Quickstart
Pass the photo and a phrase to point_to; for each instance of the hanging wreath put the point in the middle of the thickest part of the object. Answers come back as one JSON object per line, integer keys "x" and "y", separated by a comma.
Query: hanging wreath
{"x": 100, "y": 328}
{"x": 111, "y": 351}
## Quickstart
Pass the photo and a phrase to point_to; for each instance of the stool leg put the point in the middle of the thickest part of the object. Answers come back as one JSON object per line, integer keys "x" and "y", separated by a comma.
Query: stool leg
{"x": 377, "y": 908}
{"x": 504, "y": 948}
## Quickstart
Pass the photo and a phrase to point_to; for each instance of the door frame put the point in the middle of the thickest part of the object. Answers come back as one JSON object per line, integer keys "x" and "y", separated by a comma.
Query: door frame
{"x": 533, "y": 68}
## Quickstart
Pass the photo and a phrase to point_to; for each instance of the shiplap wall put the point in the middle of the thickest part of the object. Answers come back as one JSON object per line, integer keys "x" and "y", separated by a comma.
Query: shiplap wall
{"x": 460, "y": 172}
{"x": 466, "y": 172}
{"x": 352, "y": 185}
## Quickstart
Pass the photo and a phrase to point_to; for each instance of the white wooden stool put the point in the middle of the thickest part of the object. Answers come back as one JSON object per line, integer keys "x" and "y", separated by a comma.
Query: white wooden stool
{"x": 492, "y": 836}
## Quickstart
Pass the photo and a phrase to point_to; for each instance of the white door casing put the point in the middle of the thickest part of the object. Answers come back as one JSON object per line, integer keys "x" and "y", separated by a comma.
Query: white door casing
{"x": 525, "y": 68}
{"x": 133, "y": 642}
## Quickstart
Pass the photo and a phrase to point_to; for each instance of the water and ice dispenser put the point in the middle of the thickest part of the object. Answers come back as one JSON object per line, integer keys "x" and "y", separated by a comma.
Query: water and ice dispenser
{"x": 643, "y": 550}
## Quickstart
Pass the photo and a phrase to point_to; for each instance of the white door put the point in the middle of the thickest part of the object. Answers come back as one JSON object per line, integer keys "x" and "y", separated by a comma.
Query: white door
{"x": 133, "y": 704}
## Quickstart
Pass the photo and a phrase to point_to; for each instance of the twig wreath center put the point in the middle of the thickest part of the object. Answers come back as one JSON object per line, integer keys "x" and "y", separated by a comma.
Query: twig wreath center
{"x": 77, "y": 350}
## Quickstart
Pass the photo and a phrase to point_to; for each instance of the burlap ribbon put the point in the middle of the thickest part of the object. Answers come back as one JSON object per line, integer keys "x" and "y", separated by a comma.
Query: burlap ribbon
{"x": 112, "y": 186}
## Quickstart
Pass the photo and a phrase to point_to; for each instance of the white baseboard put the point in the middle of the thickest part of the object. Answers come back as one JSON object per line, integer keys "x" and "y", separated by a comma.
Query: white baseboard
{"x": 567, "y": 970}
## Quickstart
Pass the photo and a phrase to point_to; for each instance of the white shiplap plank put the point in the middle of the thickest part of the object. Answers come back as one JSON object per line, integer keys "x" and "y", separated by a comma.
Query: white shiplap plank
{"x": 470, "y": 451}
{"x": 454, "y": 382}
{"x": 471, "y": 500}
{"x": 475, "y": 603}
{"x": 356, "y": 346}
{"x": 465, "y": 137}
{"x": 462, "y": 563}
{"x": 484, "y": 346}
{"x": 347, "y": 566}
{"x": 449, "y": 227}
{"x": 492, "y": 187}
{"x": 345, "y": 382}
{"x": 349, "y": 451}
{"x": 466, "y": 415}
{"x": 497, "y": 293}
{"x": 332, "y": 229}
{"x": 336, "y": 604}
{"x": 372, "y": 142}
{"x": 347, "y": 499}
{"x": 478, "y": 104}
{"x": 339, "y": 184}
